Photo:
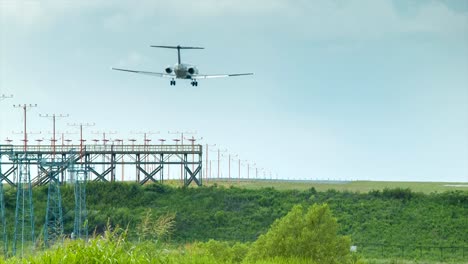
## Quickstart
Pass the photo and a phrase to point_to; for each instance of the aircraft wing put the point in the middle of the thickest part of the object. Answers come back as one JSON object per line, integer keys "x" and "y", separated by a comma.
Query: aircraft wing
{"x": 202, "y": 76}
{"x": 158, "y": 74}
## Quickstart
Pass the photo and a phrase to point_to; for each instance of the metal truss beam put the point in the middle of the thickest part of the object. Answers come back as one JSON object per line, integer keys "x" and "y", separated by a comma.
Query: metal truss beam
{"x": 193, "y": 176}
{"x": 149, "y": 176}
{"x": 101, "y": 176}
{"x": 4, "y": 177}
{"x": 109, "y": 156}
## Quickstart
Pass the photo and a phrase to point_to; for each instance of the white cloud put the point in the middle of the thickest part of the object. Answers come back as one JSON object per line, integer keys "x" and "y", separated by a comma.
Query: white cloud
{"x": 317, "y": 19}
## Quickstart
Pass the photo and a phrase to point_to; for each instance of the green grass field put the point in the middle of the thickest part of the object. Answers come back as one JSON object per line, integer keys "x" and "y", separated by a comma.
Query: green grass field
{"x": 351, "y": 186}
{"x": 354, "y": 186}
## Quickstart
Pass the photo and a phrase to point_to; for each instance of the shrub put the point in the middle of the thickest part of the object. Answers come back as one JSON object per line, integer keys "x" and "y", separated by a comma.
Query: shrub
{"x": 301, "y": 234}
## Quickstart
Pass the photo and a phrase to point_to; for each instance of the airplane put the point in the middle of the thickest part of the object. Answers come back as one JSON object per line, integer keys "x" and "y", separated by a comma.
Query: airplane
{"x": 182, "y": 70}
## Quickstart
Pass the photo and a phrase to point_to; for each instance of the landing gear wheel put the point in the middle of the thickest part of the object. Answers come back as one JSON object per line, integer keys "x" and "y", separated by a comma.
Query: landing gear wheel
{"x": 172, "y": 82}
{"x": 194, "y": 83}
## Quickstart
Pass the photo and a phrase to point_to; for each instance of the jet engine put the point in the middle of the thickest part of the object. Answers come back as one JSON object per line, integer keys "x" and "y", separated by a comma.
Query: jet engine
{"x": 192, "y": 70}
{"x": 169, "y": 70}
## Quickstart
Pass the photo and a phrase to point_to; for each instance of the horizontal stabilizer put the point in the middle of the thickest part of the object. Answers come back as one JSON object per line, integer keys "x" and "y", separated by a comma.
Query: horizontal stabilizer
{"x": 176, "y": 47}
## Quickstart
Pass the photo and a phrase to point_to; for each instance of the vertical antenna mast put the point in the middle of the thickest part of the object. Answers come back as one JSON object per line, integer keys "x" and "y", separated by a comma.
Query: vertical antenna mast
{"x": 25, "y": 107}
{"x": 81, "y": 125}
{"x": 54, "y": 117}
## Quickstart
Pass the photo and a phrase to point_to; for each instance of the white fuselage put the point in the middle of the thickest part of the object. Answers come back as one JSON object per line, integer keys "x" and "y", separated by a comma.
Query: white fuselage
{"x": 185, "y": 71}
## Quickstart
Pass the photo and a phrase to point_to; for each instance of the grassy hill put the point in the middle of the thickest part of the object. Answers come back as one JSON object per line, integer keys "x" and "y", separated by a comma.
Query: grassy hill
{"x": 382, "y": 217}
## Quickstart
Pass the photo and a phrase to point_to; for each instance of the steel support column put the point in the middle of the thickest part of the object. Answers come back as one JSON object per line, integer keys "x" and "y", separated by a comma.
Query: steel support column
{"x": 53, "y": 226}
{"x": 24, "y": 213}
{"x": 2, "y": 213}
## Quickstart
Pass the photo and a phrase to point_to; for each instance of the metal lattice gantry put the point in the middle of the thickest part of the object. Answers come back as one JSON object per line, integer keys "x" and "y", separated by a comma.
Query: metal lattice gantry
{"x": 3, "y": 217}
{"x": 24, "y": 213}
{"x": 149, "y": 161}
{"x": 53, "y": 225}
{"x": 79, "y": 177}
{"x": 3, "y": 232}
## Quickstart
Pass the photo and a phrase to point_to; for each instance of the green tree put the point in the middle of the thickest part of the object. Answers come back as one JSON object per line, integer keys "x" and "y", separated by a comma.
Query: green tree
{"x": 310, "y": 234}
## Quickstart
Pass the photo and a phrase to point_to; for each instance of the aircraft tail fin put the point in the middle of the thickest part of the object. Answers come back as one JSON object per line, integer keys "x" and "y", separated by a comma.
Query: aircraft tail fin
{"x": 176, "y": 47}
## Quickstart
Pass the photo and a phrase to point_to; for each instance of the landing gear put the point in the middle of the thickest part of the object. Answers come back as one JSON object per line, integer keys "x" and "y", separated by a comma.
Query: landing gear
{"x": 172, "y": 82}
{"x": 194, "y": 83}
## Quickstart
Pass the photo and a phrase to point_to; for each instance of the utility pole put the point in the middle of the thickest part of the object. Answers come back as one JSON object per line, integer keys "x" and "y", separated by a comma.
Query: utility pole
{"x": 145, "y": 135}
{"x": 182, "y": 143}
{"x": 210, "y": 169}
{"x": 248, "y": 169}
{"x": 206, "y": 169}
{"x": 176, "y": 140}
{"x": 230, "y": 157}
{"x": 104, "y": 141}
{"x": 63, "y": 174}
{"x": 28, "y": 135}
{"x": 247, "y": 165}
{"x": 182, "y": 134}
{"x": 133, "y": 140}
{"x": 63, "y": 139}
{"x": 121, "y": 143}
{"x": 81, "y": 125}
{"x": 192, "y": 140}
{"x": 146, "y": 140}
{"x": 239, "y": 169}
{"x": 25, "y": 108}
{"x": 219, "y": 159}
{"x": 162, "y": 140}
{"x": 54, "y": 117}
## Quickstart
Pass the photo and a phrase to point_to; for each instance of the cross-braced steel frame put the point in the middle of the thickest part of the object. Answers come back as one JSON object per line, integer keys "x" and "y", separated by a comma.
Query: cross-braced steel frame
{"x": 79, "y": 174}
{"x": 3, "y": 229}
{"x": 149, "y": 161}
{"x": 24, "y": 213}
{"x": 53, "y": 225}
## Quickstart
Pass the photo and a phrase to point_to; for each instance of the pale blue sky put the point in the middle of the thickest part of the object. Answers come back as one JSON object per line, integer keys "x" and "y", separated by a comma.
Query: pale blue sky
{"x": 368, "y": 89}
